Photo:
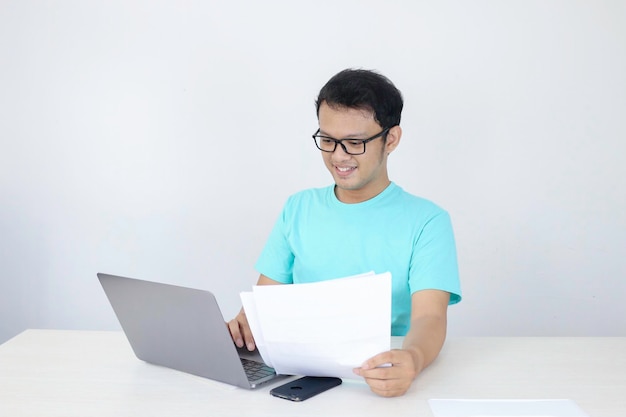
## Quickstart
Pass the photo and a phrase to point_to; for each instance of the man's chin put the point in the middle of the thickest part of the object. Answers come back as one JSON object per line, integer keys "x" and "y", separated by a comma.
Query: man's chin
{"x": 347, "y": 185}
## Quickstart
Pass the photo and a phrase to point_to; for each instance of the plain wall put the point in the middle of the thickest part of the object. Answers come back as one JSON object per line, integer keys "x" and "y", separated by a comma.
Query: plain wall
{"x": 160, "y": 139}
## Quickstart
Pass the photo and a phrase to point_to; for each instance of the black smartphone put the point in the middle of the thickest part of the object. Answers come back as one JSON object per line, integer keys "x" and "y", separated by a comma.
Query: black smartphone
{"x": 305, "y": 387}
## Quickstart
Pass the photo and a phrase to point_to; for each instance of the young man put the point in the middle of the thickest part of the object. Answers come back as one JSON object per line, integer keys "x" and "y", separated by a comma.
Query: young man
{"x": 365, "y": 222}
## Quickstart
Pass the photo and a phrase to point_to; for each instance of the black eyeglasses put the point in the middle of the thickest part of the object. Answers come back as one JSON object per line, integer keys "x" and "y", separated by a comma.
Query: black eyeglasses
{"x": 349, "y": 146}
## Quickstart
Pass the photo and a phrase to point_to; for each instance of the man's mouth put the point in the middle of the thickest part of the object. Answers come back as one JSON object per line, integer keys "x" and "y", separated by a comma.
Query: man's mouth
{"x": 344, "y": 171}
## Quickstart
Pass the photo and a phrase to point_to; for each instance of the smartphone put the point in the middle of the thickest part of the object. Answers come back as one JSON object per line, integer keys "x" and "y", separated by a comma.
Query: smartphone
{"x": 305, "y": 387}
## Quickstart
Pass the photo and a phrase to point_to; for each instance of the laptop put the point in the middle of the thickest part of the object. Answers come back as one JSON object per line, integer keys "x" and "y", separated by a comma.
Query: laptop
{"x": 183, "y": 329}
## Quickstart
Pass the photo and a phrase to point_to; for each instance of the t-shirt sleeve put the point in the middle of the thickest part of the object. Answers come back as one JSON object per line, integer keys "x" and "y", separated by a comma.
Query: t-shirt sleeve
{"x": 276, "y": 259}
{"x": 434, "y": 262}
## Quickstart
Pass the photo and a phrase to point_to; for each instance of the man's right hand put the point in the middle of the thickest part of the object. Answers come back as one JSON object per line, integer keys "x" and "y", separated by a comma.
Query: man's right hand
{"x": 240, "y": 331}
{"x": 239, "y": 327}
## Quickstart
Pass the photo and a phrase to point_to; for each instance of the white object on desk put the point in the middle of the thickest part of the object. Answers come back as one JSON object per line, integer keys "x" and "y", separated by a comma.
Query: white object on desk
{"x": 505, "y": 408}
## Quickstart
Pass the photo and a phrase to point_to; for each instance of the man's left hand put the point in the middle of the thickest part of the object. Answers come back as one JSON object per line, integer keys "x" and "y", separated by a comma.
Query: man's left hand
{"x": 390, "y": 374}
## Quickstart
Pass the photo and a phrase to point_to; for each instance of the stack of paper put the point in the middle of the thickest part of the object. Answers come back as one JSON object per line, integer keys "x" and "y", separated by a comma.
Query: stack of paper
{"x": 505, "y": 408}
{"x": 325, "y": 328}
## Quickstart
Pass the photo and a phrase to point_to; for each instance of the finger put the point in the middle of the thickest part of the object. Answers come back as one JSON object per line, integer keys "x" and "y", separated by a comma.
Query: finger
{"x": 380, "y": 373}
{"x": 389, "y": 387}
{"x": 247, "y": 337}
{"x": 244, "y": 329}
{"x": 399, "y": 370}
{"x": 235, "y": 333}
{"x": 394, "y": 392}
{"x": 382, "y": 359}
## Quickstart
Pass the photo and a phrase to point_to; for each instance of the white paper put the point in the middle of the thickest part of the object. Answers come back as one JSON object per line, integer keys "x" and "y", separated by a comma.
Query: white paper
{"x": 505, "y": 408}
{"x": 325, "y": 328}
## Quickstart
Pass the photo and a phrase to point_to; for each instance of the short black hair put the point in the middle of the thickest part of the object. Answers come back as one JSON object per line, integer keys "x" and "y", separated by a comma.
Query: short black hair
{"x": 366, "y": 90}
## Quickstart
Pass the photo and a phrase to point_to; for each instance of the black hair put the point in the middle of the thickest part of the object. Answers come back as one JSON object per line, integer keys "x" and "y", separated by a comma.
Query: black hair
{"x": 366, "y": 90}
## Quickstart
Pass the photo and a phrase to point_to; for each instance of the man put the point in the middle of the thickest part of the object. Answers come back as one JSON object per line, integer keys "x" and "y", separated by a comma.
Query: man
{"x": 365, "y": 222}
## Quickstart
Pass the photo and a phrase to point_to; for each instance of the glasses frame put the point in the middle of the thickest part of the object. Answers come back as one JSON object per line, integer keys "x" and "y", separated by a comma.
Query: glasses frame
{"x": 340, "y": 141}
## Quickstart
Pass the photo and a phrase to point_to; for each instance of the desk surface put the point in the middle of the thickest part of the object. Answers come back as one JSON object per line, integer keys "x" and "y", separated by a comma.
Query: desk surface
{"x": 92, "y": 373}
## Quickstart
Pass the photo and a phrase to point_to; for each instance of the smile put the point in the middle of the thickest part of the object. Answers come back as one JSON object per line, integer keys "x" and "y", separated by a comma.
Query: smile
{"x": 344, "y": 171}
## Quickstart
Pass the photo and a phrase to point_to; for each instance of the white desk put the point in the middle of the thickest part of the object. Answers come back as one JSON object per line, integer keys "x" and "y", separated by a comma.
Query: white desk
{"x": 83, "y": 373}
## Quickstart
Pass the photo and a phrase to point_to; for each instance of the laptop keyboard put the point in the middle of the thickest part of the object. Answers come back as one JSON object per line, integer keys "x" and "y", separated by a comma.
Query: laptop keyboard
{"x": 256, "y": 370}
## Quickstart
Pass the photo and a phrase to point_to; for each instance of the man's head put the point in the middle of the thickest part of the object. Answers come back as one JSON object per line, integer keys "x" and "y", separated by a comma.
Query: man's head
{"x": 363, "y": 90}
{"x": 359, "y": 115}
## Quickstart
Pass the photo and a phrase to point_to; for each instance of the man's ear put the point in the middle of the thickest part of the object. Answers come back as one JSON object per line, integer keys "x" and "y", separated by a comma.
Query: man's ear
{"x": 393, "y": 139}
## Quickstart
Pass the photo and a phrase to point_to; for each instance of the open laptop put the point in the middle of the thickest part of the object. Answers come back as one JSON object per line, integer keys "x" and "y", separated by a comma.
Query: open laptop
{"x": 183, "y": 329}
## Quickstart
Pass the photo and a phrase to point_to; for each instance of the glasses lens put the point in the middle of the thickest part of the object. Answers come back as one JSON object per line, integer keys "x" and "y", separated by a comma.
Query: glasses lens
{"x": 353, "y": 147}
{"x": 325, "y": 144}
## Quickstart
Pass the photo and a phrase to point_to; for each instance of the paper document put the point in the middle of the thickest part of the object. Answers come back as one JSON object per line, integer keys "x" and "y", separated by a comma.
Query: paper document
{"x": 325, "y": 328}
{"x": 505, "y": 408}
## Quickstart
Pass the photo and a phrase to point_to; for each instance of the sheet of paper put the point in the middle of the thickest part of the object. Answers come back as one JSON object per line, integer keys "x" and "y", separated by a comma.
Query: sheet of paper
{"x": 325, "y": 328}
{"x": 505, "y": 408}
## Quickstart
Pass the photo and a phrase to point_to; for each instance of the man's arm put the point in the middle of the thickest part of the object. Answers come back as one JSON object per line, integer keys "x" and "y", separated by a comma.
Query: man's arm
{"x": 239, "y": 327}
{"x": 421, "y": 346}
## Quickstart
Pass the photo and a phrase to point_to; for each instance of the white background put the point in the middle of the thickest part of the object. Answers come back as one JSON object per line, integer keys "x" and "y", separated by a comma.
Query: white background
{"x": 159, "y": 140}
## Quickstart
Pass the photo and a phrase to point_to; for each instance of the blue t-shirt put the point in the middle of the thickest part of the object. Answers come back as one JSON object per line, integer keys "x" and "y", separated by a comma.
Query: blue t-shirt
{"x": 317, "y": 237}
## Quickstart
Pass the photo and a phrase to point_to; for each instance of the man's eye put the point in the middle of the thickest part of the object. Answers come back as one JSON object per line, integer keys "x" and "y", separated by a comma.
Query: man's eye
{"x": 355, "y": 142}
{"x": 326, "y": 141}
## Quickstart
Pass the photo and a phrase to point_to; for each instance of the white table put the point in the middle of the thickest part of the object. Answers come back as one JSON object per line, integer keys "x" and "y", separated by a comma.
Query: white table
{"x": 95, "y": 373}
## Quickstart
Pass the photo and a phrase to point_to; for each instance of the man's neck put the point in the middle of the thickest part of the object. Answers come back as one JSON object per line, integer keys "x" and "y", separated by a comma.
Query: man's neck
{"x": 360, "y": 195}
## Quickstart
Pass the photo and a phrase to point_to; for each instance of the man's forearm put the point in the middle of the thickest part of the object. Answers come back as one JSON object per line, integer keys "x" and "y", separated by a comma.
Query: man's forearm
{"x": 425, "y": 340}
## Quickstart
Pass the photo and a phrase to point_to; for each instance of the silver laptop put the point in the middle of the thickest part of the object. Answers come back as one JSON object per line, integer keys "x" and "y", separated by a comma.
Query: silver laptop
{"x": 183, "y": 329}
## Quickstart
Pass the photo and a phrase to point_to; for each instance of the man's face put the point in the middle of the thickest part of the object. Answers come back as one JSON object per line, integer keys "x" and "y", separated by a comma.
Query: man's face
{"x": 358, "y": 177}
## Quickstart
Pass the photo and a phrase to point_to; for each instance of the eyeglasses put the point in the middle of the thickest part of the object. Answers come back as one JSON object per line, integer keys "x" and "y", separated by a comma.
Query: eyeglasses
{"x": 349, "y": 146}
